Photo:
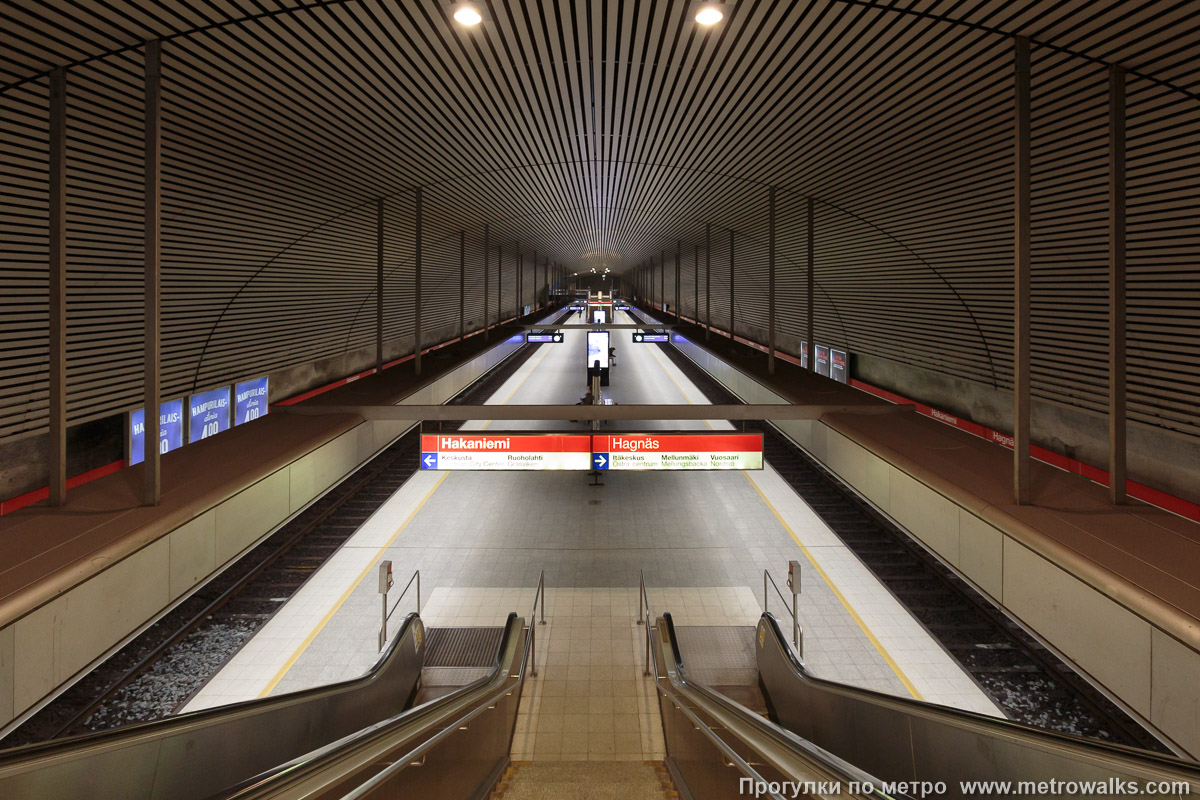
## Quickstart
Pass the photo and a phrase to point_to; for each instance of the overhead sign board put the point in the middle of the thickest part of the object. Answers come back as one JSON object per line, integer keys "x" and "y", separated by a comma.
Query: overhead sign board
{"x": 249, "y": 400}
{"x": 677, "y": 451}
{"x": 651, "y": 338}
{"x": 543, "y": 338}
{"x": 208, "y": 414}
{"x": 839, "y": 365}
{"x": 170, "y": 430}
{"x": 504, "y": 451}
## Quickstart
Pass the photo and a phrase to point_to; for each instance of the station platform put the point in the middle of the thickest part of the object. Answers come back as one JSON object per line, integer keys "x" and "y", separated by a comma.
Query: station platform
{"x": 701, "y": 539}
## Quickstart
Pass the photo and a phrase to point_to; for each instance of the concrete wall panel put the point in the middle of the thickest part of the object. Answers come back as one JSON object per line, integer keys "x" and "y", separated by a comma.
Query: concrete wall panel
{"x": 1111, "y": 641}
{"x": 926, "y": 514}
{"x": 878, "y": 485}
{"x": 981, "y": 554}
{"x": 7, "y": 674}
{"x": 1175, "y": 690}
{"x": 302, "y": 478}
{"x": 847, "y": 459}
{"x": 193, "y": 553}
{"x": 34, "y": 644}
{"x": 102, "y": 611}
{"x": 246, "y": 516}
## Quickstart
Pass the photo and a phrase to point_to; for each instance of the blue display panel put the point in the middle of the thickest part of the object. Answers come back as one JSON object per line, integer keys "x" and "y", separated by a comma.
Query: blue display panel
{"x": 208, "y": 414}
{"x": 249, "y": 400}
{"x": 651, "y": 338}
{"x": 170, "y": 430}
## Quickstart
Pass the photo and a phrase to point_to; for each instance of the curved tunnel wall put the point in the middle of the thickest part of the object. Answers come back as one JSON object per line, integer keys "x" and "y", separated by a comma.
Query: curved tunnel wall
{"x": 280, "y": 134}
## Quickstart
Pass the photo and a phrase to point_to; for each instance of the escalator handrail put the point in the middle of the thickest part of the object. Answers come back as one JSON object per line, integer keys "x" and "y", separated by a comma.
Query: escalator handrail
{"x": 964, "y": 717}
{"x": 322, "y": 758}
{"x": 781, "y": 736}
{"x": 168, "y": 724}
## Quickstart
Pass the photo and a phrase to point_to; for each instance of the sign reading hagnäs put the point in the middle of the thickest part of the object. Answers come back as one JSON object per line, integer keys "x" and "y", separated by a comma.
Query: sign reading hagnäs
{"x": 208, "y": 414}
{"x": 677, "y": 451}
{"x": 503, "y": 451}
{"x": 170, "y": 430}
{"x": 250, "y": 400}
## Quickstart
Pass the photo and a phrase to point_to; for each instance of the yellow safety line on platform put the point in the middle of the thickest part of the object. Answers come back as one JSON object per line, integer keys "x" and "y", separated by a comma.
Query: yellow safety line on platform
{"x": 504, "y": 402}
{"x": 373, "y": 564}
{"x": 837, "y": 593}
{"x": 677, "y": 386}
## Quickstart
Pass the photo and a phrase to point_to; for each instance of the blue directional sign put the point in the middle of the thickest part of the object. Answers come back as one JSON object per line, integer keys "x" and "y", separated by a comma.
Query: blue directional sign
{"x": 208, "y": 414}
{"x": 599, "y": 460}
{"x": 428, "y": 460}
{"x": 651, "y": 338}
{"x": 170, "y": 430}
{"x": 250, "y": 400}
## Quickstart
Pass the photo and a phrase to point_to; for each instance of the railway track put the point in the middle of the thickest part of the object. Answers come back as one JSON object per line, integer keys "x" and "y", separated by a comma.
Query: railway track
{"x": 1028, "y": 681}
{"x": 162, "y": 668}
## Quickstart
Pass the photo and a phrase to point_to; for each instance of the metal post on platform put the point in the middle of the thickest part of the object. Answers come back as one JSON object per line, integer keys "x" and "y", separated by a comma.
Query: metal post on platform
{"x": 462, "y": 283}
{"x": 810, "y": 323}
{"x": 152, "y": 476}
{"x": 417, "y": 289}
{"x": 732, "y": 290}
{"x": 707, "y": 280}
{"x": 486, "y": 245}
{"x": 57, "y": 372}
{"x": 379, "y": 285}
{"x": 771, "y": 284}
{"x": 1021, "y": 275}
{"x": 1116, "y": 287}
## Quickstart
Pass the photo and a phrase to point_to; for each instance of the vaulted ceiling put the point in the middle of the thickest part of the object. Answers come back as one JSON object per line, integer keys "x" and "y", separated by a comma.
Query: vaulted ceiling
{"x": 610, "y": 133}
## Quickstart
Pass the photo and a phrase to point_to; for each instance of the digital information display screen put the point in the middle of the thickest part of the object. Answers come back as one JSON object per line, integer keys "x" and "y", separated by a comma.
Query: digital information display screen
{"x": 208, "y": 414}
{"x": 822, "y": 360}
{"x": 543, "y": 338}
{"x": 464, "y": 451}
{"x": 651, "y": 338}
{"x": 677, "y": 451}
{"x": 170, "y": 430}
{"x": 839, "y": 366}
{"x": 597, "y": 349}
{"x": 249, "y": 400}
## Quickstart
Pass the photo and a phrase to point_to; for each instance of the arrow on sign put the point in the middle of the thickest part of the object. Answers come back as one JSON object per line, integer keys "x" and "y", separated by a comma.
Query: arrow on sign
{"x": 430, "y": 461}
{"x": 600, "y": 460}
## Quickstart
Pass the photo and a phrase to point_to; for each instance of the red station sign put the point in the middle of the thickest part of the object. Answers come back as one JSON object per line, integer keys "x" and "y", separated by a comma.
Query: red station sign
{"x": 505, "y": 451}
{"x": 677, "y": 451}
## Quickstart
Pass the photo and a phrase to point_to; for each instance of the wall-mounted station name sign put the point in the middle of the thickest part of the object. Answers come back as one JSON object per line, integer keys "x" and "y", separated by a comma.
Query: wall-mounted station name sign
{"x": 677, "y": 451}
{"x": 478, "y": 451}
{"x": 543, "y": 337}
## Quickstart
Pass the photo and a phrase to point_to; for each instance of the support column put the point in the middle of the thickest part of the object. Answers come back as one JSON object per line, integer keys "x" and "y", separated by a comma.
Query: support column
{"x": 707, "y": 281}
{"x": 151, "y": 473}
{"x": 462, "y": 284}
{"x": 662, "y": 279}
{"x": 486, "y": 245}
{"x": 771, "y": 283}
{"x": 499, "y": 283}
{"x": 732, "y": 288}
{"x": 534, "y": 280}
{"x": 1021, "y": 275}
{"x": 520, "y": 277}
{"x": 696, "y": 283}
{"x": 811, "y": 355}
{"x": 379, "y": 285}
{"x": 57, "y": 373}
{"x": 678, "y": 248}
{"x": 1116, "y": 285}
{"x": 417, "y": 286}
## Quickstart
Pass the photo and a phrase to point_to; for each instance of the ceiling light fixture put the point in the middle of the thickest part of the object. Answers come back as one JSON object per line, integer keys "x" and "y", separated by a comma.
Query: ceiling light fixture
{"x": 468, "y": 14}
{"x": 709, "y": 15}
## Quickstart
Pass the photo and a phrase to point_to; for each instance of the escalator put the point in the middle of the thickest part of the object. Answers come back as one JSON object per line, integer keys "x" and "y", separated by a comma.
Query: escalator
{"x": 422, "y": 676}
{"x": 906, "y": 746}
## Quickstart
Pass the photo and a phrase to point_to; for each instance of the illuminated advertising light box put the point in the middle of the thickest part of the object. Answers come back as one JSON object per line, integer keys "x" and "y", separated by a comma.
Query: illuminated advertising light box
{"x": 597, "y": 349}
{"x": 208, "y": 414}
{"x": 503, "y": 451}
{"x": 804, "y": 355}
{"x": 543, "y": 338}
{"x": 677, "y": 451}
{"x": 249, "y": 400}
{"x": 650, "y": 338}
{"x": 839, "y": 366}
{"x": 822, "y": 360}
{"x": 170, "y": 430}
